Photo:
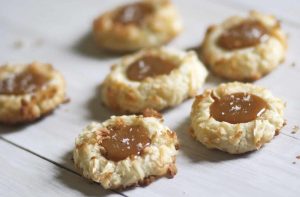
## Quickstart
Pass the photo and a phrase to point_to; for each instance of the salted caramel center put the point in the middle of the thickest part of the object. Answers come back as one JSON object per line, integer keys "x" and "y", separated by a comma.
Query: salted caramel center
{"x": 246, "y": 34}
{"x": 133, "y": 13}
{"x": 238, "y": 108}
{"x": 28, "y": 81}
{"x": 124, "y": 141}
{"x": 149, "y": 66}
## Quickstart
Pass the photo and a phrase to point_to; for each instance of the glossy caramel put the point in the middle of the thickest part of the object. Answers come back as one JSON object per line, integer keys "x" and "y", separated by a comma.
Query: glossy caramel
{"x": 149, "y": 66}
{"x": 133, "y": 13}
{"x": 243, "y": 35}
{"x": 124, "y": 141}
{"x": 238, "y": 108}
{"x": 28, "y": 81}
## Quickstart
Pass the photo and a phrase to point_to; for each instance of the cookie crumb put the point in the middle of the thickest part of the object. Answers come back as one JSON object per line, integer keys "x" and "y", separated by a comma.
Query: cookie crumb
{"x": 293, "y": 64}
{"x": 18, "y": 44}
{"x": 293, "y": 162}
{"x": 298, "y": 157}
{"x": 295, "y": 129}
{"x": 39, "y": 42}
{"x": 149, "y": 112}
{"x": 67, "y": 100}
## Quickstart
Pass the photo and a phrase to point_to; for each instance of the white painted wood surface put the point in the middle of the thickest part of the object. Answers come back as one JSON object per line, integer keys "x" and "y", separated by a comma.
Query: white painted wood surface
{"x": 25, "y": 174}
{"x": 58, "y": 32}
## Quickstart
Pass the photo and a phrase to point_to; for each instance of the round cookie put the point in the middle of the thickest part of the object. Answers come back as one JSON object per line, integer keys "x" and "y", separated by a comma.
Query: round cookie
{"x": 244, "y": 48}
{"x": 236, "y": 117}
{"x": 126, "y": 151}
{"x": 28, "y": 92}
{"x": 153, "y": 78}
{"x": 143, "y": 24}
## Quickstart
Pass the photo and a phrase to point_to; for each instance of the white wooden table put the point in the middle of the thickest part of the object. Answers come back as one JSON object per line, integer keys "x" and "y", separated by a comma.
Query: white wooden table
{"x": 35, "y": 160}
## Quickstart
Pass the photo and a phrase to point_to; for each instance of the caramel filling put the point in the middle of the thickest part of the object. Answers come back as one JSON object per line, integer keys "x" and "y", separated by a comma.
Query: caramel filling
{"x": 133, "y": 13}
{"x": 246, "y": 34}
{"x": 28, "y": 81}
{"x": 124, "y": 141}
{"x": 149, "y": 66}
{"x": 238, "y": 108}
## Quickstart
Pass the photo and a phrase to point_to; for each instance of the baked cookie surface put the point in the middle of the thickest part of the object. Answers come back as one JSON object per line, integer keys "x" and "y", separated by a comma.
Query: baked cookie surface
{"x": 244, "y": 48}
{"x": 143, "y": 24}
{"x": 153, "y": 78}
{"x": 126, "y": 151}
{"x": 27, "y": 92}
{"x": 236, "y": 117}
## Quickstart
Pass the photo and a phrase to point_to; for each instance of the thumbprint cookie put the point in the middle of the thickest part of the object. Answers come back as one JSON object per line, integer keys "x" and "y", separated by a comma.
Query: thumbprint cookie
{"x": 153, "y": 78}
{"x": 236, "y": 117}
{"x": 27, "y": 92}
{"x": 244, "y": 48}
{"x": 142, "y": 24}
{"x": 126, "y": 151}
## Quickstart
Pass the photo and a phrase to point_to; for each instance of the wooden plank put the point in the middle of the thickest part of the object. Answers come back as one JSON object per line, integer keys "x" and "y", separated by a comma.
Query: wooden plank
{"x": 24, "y": 174}
{"x": 288, "y": 11}
{"x": 66, "y": 44}
{"x": 203, "y": 172}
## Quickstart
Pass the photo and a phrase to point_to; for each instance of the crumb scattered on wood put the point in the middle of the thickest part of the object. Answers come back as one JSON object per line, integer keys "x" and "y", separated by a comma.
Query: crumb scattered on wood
{"x": 293, "y": 64}
{"x": 18, "y": 44}
{"x": 67, "y": 100}
{"x": 39, "y": 42}
{"x": 295, "y": 129}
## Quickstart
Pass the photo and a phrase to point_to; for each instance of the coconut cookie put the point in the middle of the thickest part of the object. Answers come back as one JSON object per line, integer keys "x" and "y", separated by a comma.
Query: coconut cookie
{"x": 143, "y": 24}
{"x": 236, "y": 117}
{"x": 126, "y": 151}
{"x": 153, "y": 78}
{"x": 244, "y": 48}
{"x": 28, "y": 92}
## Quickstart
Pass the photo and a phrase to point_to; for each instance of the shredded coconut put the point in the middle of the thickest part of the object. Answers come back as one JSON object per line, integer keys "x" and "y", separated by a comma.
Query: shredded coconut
{"x": 129, "y": 14}
{"x": 246, "y": 98}
{"x": 139, "y": 146}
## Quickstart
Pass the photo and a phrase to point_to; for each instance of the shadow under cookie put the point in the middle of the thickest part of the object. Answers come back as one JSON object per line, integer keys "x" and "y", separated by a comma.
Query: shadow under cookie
{"x": 97, "y": 111}
{"x": 11, "y": 128}
{"x": 196, "y": 152}
{"x": 86, "y": 46}
{"x": 84, "y": 186}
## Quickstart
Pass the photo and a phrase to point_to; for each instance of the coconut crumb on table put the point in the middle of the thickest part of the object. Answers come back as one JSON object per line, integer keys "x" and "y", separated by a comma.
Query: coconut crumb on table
{"x": 293, "y": 64}
{"x": 295, "y": 129}
{"x": 18, "y": 44}
{"x": 39, "y": 42}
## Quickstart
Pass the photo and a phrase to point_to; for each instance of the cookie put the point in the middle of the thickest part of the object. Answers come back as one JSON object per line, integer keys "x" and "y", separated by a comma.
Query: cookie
{"x": 27, "y": 92}
{"x": 244, "y": 48}
{"x": 126, "y": 151}
{"x": 143, "y": 24}
{"x": 152, "y": 78}
{"x": 236, "y": 117}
